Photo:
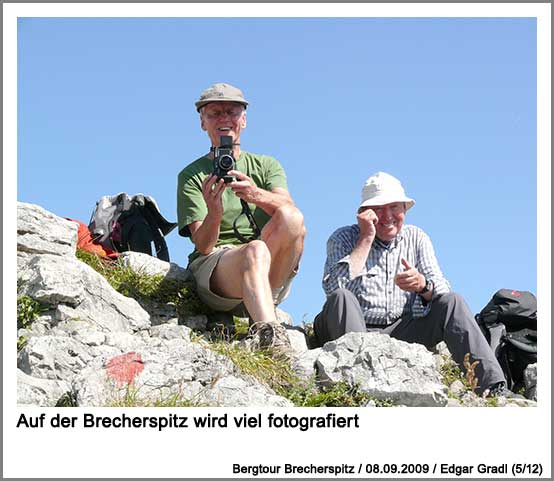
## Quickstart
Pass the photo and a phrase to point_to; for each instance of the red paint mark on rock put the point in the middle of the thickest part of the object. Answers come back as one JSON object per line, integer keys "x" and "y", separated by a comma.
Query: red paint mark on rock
{"x": 125, "y": 368}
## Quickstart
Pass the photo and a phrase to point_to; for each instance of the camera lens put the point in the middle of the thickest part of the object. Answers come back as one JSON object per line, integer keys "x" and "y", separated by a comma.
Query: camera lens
{"x": 226, "y": 162}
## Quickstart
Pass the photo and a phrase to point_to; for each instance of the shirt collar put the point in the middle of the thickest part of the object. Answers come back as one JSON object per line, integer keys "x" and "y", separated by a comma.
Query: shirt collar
{"x": 393, "y": 243}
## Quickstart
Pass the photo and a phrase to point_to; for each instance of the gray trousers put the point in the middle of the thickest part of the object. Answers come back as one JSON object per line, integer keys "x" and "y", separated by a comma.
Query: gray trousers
{"x": 449, "y": 320}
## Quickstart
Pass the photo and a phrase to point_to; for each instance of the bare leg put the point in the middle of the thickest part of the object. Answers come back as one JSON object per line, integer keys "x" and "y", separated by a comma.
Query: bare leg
{"x": 284, "y": 235}
{"x": 244, "y": 273}
{"x": 252, "y": 270}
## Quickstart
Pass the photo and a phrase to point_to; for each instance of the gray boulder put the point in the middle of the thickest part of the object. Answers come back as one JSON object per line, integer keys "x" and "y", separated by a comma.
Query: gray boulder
{"x": 166, "y": 369}
{"x": 171, "y": 331}
{"x": 59, "y": 358}
{"x": 32, "y": 391}
{"x": 381, "y": 366}
{"x": 41, "y": 232}
{"x": 198, "y": 322}
{"x": 283, "y": 317}
{"x": 145, "y": 264}
{"x": 304, "y": 365}
{"x": 297, "y": 340}
{"x": 79, "y": 292}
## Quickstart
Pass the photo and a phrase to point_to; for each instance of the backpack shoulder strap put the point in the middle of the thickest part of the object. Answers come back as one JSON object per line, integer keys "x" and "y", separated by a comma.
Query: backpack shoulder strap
{"x": 160, "y": 244}
{"x": 160, "y": 221}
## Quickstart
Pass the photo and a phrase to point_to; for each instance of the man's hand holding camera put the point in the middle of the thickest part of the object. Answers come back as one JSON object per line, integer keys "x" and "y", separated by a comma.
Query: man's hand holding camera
{"x": 224, "y": 168}
{"x": 212, "y": 190}
{"x": 244, "y": 187}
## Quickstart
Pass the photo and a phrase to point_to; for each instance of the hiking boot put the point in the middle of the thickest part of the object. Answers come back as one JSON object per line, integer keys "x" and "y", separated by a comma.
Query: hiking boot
{"x": 272, "y": 336}
{"x": 500, "y": 390}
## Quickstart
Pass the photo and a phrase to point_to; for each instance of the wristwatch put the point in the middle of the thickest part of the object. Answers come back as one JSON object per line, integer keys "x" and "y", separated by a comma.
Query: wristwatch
{"x": 428, "y": 286}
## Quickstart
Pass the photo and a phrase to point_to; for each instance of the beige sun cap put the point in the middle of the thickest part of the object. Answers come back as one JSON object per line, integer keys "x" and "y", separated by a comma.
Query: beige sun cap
{"x": 381, "y": 189}
{"x": 220, "y": 92}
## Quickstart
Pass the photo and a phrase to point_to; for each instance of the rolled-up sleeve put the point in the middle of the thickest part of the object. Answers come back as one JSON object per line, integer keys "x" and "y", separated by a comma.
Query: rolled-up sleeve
{"x": 337, "y": 272}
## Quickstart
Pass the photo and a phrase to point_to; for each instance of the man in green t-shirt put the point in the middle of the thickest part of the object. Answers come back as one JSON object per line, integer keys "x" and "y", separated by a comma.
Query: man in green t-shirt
{"x": 230, "y": 273}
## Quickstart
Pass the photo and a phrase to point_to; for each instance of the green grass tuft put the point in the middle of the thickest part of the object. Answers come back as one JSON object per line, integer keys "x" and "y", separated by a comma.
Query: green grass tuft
{"x": 146, "y": 288}
{"x": 21, "y": 342}
{"x": 242, "y": 326}
{"x": 130, "y": 396}
{"x": 68, "y": 400}
{"x": 275, "y": 373}
{"x": 450, "y": 372}
{"x": 338, "y": 395}
{"x": 28, "y": 310}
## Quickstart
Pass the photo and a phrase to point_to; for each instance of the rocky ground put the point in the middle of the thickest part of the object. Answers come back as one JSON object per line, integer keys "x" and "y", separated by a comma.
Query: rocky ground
{"x": 83, "y": 343}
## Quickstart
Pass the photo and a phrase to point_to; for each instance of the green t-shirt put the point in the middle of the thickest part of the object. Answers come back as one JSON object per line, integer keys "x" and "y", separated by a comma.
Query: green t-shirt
{"x": 266, "y": 172}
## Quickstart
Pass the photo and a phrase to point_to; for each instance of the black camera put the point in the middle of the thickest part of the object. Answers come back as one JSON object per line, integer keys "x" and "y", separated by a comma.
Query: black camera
{"x": 223, "y": 159}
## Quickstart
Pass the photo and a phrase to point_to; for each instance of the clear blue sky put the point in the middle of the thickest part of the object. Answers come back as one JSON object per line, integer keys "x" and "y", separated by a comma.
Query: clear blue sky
{"x": 447, "y": 105}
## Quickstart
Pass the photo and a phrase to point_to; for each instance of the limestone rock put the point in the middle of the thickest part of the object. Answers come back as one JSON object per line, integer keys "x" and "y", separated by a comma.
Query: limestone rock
{"x": 41, "y": 232}
{"x": 172, "y": 369}
{"x": 145, "y": 264}
{"x": 304, "y": 366}
{"x": 283, "y": 317}
{"x": 297, "y": 340}
{"x": 170, "y": 331}
{"x": 457, "y": 388}
{"x": 79, "y": 292}
{"x": 32, "y": 391}
{"x": 383, "y": 367}
{"x": 160, "y": 313}
{"x": 198, "y": 322}
{"x": 59, "y": 358}
{"x": 235, "y": 391}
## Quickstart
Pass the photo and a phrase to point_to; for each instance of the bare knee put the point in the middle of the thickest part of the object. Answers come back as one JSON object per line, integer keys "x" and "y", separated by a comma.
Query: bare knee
{"x": 256, "y": 256}
{"x": 290, "y": 220}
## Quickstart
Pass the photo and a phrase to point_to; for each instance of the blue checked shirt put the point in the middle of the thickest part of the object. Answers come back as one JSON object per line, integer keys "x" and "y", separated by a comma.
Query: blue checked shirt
{"x": 381, "y": 300}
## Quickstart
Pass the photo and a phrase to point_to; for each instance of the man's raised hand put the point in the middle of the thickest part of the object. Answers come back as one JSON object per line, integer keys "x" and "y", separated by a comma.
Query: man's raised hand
{"x": 212, "y": 191}
{"x": 410, "y": 280}
{"x": 244, "y": 187}
{"x": 366, "y": 222}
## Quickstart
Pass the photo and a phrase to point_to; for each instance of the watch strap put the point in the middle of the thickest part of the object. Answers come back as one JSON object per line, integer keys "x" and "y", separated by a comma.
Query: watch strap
{"x": 428, "y": 286}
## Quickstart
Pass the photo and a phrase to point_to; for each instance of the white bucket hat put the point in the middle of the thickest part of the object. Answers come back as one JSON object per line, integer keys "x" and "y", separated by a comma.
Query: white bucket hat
{"x": 382, "y": 188}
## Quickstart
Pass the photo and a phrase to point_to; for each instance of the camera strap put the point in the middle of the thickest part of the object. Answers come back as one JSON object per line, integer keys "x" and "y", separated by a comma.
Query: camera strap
{"x": 248, "y": 213}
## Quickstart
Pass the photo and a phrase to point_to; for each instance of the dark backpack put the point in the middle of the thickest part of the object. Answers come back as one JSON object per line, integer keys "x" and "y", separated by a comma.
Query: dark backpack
{"x": 509, "y": 323}
{"x": 130, "y": 223}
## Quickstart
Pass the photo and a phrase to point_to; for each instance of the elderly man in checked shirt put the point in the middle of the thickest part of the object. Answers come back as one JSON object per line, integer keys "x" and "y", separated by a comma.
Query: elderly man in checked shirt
{"x": 383, "y": 275}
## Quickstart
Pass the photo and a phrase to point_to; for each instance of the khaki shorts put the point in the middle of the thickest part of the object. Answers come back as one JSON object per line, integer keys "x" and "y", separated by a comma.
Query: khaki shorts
{"x": 202, "y": 268}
